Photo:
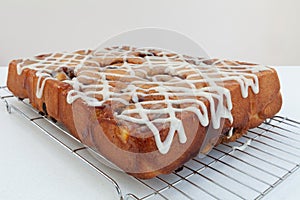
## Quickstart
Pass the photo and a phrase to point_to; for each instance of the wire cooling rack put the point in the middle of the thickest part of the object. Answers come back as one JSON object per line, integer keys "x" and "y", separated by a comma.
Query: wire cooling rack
{"x": 249, "y": 168}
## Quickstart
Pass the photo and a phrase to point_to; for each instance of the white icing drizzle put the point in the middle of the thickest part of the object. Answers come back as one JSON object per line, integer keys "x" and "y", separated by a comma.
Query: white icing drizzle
{"x": 40, "y": 87}
{"x": 230, "y": 133}
{"x": 184, "y": 83}
{"x": 47, "y": 64}
{"x": 242, "y": 147}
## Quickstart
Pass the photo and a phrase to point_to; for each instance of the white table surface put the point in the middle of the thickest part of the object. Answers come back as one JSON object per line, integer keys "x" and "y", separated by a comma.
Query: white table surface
{"x": 34, "y": 167}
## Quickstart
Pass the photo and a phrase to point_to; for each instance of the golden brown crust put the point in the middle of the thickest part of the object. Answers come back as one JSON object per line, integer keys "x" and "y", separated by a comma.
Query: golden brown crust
{"x": 96, "y": 127}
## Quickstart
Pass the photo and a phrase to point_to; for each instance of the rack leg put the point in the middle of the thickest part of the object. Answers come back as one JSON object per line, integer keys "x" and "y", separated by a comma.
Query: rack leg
{"x": 8, "y": 107}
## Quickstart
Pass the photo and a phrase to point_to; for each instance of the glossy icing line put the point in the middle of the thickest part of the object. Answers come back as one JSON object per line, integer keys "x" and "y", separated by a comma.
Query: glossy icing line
{"x": 40, "y": 87}
{"x": 122, "y": 75}
{"x": 243, "y": 146}
{"x": 230, "y": 133}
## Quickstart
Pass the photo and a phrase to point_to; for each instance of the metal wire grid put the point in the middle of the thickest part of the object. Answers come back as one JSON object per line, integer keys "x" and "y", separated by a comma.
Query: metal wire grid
{"x": 226, "y": 172}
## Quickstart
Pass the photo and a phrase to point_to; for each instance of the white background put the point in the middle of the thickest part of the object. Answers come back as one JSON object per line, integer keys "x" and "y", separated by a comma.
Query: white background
{"x": 261, "y": 31}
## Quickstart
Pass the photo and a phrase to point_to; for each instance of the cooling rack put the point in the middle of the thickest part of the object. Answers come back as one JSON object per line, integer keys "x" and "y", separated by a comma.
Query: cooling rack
{"x": 249, "y": 168}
